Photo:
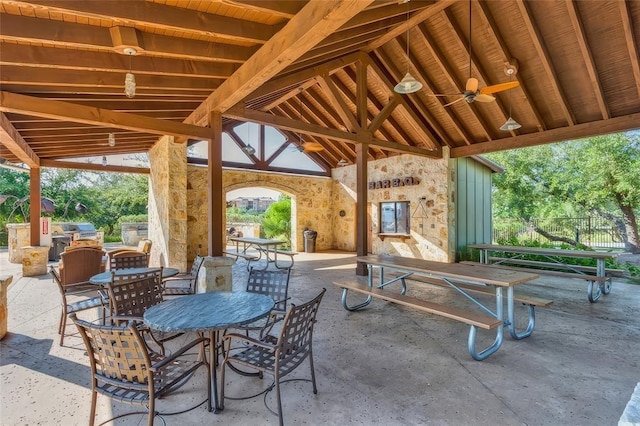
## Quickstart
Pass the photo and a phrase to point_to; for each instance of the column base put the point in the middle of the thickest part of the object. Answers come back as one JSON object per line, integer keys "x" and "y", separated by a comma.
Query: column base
{"x": 34, "y": 260}
{"x": 215, "y": 274}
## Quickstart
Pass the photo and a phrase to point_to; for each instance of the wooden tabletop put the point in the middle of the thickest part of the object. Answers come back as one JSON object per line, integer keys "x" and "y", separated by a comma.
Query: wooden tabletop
{"x": 546, "y": 251}
{"x": 475, "y": 273}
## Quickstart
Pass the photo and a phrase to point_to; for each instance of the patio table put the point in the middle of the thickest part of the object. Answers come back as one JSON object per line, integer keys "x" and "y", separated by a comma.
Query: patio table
{"x": 264, "y": 246}
{"x": 209, "y": 312}
{"x": 104, "y": 278}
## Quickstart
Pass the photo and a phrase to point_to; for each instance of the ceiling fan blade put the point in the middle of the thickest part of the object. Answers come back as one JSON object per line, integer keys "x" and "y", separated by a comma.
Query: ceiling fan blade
{"x": 482, "y": 97}
{"x": 499, "y": 87}
{"x": 312, "y": 146}
{"x": 472, "y": 85}
{"x": 453, "y": 102}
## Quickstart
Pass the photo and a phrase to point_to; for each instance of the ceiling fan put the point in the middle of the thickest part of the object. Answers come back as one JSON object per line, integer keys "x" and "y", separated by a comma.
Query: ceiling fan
{"x": 472, "y": 91}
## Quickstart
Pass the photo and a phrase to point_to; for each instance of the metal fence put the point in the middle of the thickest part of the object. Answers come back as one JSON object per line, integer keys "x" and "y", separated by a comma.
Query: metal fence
{"x": 591, "y": 231}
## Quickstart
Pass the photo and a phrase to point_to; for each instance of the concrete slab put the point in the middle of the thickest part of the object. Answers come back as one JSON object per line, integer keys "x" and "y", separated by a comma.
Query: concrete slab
{"x": 384, "y": 365}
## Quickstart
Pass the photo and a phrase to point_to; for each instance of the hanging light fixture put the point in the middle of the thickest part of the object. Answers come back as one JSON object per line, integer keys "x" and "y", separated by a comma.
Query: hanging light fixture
{"x": 112, "y": 139}
{"x": 104, "y": 160}
{"x": 130, "y": 79}
{"x": 408, "y": 84}
{"x": 510, "y": 69}
{"x": 249, "y": 150}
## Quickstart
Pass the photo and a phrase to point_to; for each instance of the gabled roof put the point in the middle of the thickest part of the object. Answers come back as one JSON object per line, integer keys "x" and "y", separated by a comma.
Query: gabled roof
{"x": 313, "y": 67}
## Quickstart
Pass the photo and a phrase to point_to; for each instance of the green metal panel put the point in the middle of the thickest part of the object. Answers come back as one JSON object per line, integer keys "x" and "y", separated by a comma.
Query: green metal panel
{"x": 473, "y": 203}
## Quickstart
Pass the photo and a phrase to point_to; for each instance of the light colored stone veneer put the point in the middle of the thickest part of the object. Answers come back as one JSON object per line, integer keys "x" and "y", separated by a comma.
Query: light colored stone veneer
{"x": 178, "y": 197}
{"x": 168, "y": 203}
{"x": 432, "y": 219}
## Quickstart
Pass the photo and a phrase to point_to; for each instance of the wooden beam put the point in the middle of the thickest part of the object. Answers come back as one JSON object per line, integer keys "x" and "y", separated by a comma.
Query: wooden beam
{"x": 339, "y": 105}
{"x": 164, "y": 17}
{"x": 297, "y": 78}
{"x": 316, "y": 130}
{"x": 310, "y": 26}
{"x": 94, "y": 167}
{"x": 362, "y": 215}
{"x": 589, "y": 63}
{"x": 430, "y": 138}
{"x": 490, "y": 24}
{"x": 362, "y": 93}
{"x": 413, "y": 20}
{"x": 35, "y": 205}
{"x": 285, "y": 9}
{"x": 384, "y": 114}
{"x": 83, "y": 36}
{"x": 67, "y": 59}
{"x": 77, "y": 79}
{"x": 545, "y": 58}
{"x": 632, "y": 45}
{"x": 11, "y": 102}
{"x": 12, "y": 140}
{"x": 618, "y": 124}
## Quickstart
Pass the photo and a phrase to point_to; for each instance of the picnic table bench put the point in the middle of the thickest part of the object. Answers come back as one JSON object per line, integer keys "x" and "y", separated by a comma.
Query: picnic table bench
{"x": 255, "y": 249}
{"x": 598, "y": 277}
{"x": 465, "y": 279}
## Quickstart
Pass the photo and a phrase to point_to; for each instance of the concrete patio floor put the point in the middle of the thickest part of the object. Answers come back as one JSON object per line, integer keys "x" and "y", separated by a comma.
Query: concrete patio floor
{"x": 384, "y": 365}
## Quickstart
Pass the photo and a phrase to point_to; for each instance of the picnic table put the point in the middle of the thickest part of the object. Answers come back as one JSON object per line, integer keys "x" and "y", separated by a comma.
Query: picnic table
{"x": 512, "y": 257}
{"x": 254, "y": 249}
{"x": 463, "y": 279}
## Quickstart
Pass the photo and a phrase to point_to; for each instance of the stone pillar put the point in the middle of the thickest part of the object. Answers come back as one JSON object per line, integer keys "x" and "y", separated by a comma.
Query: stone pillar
{"x": 19, "y": 236}
{"x": 34, "y": 260}
{"x": 5, "y": 280}
{"x": 215, "y": 274}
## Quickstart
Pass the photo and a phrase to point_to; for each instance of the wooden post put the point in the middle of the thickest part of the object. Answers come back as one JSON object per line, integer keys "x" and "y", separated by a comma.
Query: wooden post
{"x": 35, "y": 207}
{"x": 215, "y": 192}
{"x": 362, "y": 234}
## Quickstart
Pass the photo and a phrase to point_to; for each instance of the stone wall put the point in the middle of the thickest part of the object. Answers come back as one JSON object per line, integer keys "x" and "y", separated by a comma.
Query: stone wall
{"x": 168, "y": 203}
{"x": 431, "y": 204}
{"x": 311, "y": 205}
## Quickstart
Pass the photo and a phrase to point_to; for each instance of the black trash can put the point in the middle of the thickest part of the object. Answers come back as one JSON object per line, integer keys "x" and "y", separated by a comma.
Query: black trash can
{"x": 58, "y": 244}
{"x": 310, "y": 241}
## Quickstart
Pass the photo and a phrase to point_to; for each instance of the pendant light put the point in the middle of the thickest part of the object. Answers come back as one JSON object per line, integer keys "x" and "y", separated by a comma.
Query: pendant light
{"x": 104, "y": 160}
{"x": 130, "y": 79}
{"x": 249, "y": 150}
{"x": 510, "y": 124}
{"x": 408, "y": 84}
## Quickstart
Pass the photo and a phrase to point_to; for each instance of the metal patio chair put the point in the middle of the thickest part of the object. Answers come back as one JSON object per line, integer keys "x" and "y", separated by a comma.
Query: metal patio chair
{"x": 276, "y": 355}
{"x": 76, "y": 267}
{"x": 183, "y": 284}
{"x": 123, "y": 368}
{"x": 128, "y": 259}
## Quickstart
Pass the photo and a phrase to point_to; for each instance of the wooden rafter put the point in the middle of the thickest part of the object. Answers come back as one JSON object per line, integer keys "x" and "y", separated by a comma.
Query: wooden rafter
{"x": 588, "y": 58}
{"x": 545, "y": 58}
{"x": 489, "y": 23}
{"x": 632, "y": 45}
{"x": 309, "y": 27}
{"x": 11, "y": 102}
{"x": 12, "y": 140}
{"x": 314, "y": 129}
{"x": 165, "y": 17}
{"x": 339, "y": 105}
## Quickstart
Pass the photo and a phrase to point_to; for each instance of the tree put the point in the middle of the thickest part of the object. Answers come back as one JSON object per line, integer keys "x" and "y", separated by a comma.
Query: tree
{"x": 599, "y": 175}
{"x": 277, "y": 219}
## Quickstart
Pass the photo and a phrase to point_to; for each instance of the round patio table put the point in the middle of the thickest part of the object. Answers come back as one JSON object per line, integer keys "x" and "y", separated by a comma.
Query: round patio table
{"x": 104, "y": 278}
{"x": 209, "y": 312}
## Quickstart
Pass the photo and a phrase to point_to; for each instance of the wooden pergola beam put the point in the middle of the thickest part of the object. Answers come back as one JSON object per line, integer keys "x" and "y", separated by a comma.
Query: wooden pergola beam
{"x": 28, "y": 105}
{"x": 590, "y": 64}
{"x": 165, "y": 17}
{"x": 94, "y": 167}
{"x": 544, "y": 56}
{"x": 12, "y": 140}
{"x": 316, "y": 130}
{"x": 314, "y": 22}
{"x": 617, "y": 124}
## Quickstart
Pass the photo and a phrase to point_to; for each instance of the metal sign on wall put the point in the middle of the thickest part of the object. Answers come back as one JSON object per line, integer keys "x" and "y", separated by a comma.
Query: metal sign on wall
{"x": 394, "y": 183}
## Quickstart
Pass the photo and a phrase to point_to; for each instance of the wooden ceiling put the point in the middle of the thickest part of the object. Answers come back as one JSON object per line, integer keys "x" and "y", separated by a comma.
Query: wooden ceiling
{"x": 325, "y": 69}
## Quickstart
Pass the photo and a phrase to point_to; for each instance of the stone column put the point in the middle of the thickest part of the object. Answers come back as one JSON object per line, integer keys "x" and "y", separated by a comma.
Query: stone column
{"x": 34, "y": 260}
{"x": 5, "y": 280}
{"x": 215, "y": 274}
{"x": 168, "y": 204}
